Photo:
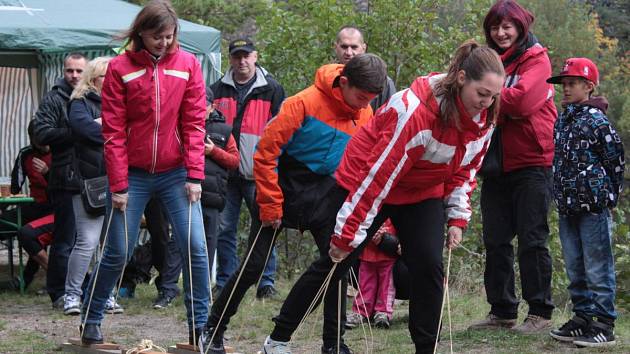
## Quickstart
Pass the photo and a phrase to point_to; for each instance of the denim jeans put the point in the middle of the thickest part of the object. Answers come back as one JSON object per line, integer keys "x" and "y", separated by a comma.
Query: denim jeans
{"x": 88, "y": 235}
{"x": 587, "y": 250}
{"x": 228, "y": 261}
{"x": 169, "y": 188}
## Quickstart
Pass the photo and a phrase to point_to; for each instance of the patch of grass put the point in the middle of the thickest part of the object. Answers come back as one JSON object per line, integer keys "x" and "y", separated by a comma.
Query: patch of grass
{"x": 26, "y": 342}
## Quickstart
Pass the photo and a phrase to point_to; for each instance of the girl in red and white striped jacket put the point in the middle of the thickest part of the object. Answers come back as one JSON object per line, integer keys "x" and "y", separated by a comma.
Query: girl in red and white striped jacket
{"x": 415, "y": 163}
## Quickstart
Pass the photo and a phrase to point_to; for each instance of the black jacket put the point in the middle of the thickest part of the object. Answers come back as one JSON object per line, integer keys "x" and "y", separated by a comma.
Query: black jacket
{"x": 87, "y": 135}
{"x": 214, "y": 185}
{"x": 51, "y": 127}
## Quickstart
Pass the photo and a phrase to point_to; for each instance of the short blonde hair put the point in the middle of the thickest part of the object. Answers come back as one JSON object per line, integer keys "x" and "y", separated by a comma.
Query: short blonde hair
{"x": 94, "y": 68}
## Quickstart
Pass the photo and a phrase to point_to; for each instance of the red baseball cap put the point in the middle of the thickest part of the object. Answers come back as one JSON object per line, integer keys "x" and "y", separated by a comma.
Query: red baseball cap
{"x": 577, "y": 67}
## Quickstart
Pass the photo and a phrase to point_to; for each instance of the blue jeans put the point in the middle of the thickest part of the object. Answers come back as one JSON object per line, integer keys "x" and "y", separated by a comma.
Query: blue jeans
{"x": 238, "y": 189}
{"x": 169, "y": 188}
{"x": 587, "y": 251}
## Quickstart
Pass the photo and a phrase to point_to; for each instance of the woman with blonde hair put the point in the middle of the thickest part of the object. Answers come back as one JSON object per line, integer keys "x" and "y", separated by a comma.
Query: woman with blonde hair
{"x": 84, "y": 116}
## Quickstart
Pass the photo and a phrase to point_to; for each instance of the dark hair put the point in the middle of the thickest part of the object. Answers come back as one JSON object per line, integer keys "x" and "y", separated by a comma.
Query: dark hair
{"x": 156, "y": 15}
{"x": 366, "y": 72}
{"x": 75, "y": 56}
{"x": 350, "y": 27}
{"x": 476, "y": 61}
{"x": 512, "y": 11}
{"x": 31, "y": 129}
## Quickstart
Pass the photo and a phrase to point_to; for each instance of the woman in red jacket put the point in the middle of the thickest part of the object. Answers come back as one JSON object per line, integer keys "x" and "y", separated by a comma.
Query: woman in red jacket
{"x": 516, "y": 202}
{"x": 415, "y": 163}
{"x": 153, "y": 109}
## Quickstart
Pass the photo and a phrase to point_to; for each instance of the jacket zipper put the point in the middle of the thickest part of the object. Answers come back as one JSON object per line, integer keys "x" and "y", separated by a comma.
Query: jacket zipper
{"x": 157, "y": 115}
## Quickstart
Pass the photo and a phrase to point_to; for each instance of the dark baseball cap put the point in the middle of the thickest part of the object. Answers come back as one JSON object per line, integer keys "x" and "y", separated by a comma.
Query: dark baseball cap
{"x": 241, "y": 44}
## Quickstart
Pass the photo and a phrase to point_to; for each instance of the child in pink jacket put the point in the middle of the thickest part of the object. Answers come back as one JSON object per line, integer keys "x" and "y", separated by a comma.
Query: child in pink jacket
{"x": 376, "y": 282}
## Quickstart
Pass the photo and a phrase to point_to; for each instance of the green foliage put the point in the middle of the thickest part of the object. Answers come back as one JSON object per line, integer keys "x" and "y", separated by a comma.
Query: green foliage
{"x": 416, "y": 37}
{"x": 296, "y": 37}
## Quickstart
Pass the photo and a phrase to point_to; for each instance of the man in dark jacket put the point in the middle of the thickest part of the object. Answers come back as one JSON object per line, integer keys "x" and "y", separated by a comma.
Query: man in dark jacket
{"x": 248, "y": 97}
{"x": 349, "y": 43}
{"x": 51, "y": 127}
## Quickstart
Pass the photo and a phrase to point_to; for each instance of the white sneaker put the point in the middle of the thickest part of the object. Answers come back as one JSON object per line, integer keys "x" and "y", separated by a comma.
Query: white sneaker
{"x": 71, "y": 305}
{"x": 275, "y": 347}
{"x": 111, "y": 306}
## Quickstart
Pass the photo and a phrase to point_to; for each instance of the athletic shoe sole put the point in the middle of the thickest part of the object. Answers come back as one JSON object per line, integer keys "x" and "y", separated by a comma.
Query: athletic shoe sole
{"x": 72, "y": 312}
{"x": 561, "y": 338}
{"x": 594, "y": 345}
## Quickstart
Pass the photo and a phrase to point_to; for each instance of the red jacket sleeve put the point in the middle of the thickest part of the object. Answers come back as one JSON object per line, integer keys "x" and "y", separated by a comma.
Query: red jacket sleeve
{"x": 114, "y": 114}
{"x": 459, "y": 188}
{"x": 192, "y": 122}
{"x": 228, "y": 158}
{"x": 275, "y": 136}
{"x": 398, "y": 146}
{"x": 531, "y": 90}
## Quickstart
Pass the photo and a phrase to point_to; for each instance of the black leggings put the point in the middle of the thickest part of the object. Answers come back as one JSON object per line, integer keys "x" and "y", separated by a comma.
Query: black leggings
{"x": 420, "y": 229}
{"x": 256, "y": 265}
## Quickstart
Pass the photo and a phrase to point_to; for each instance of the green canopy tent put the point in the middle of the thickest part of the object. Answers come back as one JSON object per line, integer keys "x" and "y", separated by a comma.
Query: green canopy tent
{"x": 35, "y": 36}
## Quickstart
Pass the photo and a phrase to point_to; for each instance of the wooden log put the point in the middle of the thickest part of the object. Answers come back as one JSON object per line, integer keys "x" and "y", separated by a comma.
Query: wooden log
{"x": 74, "y": 345}
{"x": 185, "y": 348}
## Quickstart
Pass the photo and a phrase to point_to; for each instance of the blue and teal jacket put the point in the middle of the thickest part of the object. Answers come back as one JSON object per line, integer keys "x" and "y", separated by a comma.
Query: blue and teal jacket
{"x": 301, "y": 147}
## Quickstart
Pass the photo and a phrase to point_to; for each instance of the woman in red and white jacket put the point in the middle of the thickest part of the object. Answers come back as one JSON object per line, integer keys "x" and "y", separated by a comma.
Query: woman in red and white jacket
{"x": 153, "y": 112}
{"x": 415, "y": 163}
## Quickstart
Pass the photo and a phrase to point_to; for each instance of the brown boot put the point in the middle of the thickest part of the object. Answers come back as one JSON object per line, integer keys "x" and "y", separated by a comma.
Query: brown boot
{"x": 533, "y": 325}
{"x": 493, "y": 322}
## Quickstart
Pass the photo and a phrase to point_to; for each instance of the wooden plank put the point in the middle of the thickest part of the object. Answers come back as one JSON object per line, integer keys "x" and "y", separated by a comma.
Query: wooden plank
{"x": 185, "y": 348}
{"x": 80, "y": 349}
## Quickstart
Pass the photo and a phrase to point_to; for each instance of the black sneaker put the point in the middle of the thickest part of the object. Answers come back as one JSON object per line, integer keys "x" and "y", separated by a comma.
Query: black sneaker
{"x": 599, "y": 335}
{"x": 575, "y": 327}
{"x": 206, "y": 347}
{"x": 266, "y": 292}
{"x": 343, "y": 349}
{"x": 163, "y": 301}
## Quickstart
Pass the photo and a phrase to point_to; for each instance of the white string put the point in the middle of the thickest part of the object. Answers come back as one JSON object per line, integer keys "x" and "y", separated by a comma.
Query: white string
{"x": 273, "y": 242}
{"x": 321, "y": 291}
{"x": 339, "y": 315}
{"x": 240, "y": 273}
{"x": 145, "y": 346}
{"x": 354, "y": 278}
{"x": 190, "y": 283}
{"x": 209, "y": 271}
{"x": 98, "y": 265}
{"x": 445, "y": 298}
{"x": 122, "y": 273}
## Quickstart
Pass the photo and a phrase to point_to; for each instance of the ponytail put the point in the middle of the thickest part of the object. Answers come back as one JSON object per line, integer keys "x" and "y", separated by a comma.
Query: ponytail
{"x": 475, "y": 60}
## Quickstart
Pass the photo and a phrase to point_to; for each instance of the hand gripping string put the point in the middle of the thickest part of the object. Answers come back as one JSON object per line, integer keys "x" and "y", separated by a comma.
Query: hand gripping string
{"x": 240, "y": 273}
{"x": 98, "y": 265}
{"x": 445, "y": 298}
